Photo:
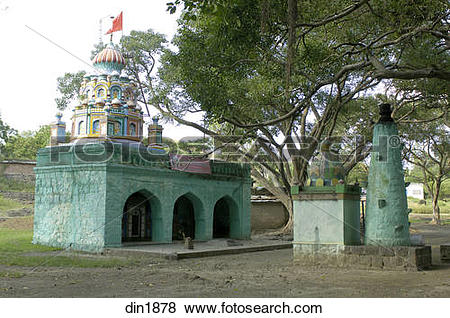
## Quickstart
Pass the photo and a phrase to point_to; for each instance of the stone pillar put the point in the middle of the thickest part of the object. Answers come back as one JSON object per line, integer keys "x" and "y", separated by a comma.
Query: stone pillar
{"x": 155, "y": 133}
{"x": 57, "y": 131}
{"x": 387, "y": 208}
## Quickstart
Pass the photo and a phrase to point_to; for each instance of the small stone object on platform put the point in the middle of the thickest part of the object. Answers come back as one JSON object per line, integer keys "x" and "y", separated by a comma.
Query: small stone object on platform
{"x": 188, "y": 243}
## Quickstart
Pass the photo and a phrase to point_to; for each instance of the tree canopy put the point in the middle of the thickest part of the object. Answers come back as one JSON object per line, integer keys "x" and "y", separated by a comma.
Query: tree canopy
{"x": 26, "y": 144}
{"x": 283, "y": 75}
{"x": 6, "y": 133}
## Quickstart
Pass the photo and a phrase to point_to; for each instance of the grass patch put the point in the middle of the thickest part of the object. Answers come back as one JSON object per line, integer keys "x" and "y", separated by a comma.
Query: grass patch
{"x": 11, "y": 274}
{"x": 427, "y": 208}
{"x": 7, "y": 204}
{"x": 15, "y": 243}
{"x": 15, "y": 185}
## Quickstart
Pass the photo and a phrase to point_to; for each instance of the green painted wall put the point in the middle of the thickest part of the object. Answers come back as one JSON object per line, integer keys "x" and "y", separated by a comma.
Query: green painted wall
{"x": 326, "y": 222}
{"x": 327, "y": 215}
{"x": 81, "y": 204}
{"x": 70, "y": 206}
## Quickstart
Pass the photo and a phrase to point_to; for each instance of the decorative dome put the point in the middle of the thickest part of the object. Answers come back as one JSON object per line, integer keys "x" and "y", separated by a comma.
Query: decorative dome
{"x": 109, "y": 59}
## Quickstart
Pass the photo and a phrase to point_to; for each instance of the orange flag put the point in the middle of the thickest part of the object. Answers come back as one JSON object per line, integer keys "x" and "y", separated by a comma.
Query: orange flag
{"x": 117, "y": 24}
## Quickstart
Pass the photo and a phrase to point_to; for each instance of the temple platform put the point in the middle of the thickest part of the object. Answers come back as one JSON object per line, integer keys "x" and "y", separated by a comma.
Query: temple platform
{"x": 409, "y": 258}
{"x": 215, "y": 247}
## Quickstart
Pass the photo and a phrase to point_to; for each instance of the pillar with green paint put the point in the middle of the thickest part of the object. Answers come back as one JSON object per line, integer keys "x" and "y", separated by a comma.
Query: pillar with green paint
{"x": 387, "y": 209}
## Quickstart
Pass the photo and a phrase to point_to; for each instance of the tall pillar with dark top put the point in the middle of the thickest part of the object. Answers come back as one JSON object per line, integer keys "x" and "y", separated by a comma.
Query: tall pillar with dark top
{"x": 387, "y": 208}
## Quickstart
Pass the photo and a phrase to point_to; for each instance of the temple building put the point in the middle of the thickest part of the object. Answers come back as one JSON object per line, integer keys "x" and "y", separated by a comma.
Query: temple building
{"x": 105, "y": 187}
{"x": 108, "y": 107}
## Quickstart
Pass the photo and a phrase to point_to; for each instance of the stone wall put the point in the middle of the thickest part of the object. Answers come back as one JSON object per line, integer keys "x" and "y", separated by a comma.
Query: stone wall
{"x": 268, "y": 214}
{"x": 18, "y": 170}
{"x": 410, "y": 258}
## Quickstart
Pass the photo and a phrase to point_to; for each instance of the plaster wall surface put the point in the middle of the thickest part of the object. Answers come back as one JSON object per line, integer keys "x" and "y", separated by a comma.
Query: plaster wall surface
{"x": 80, "y": 205}
{"x": 386, "y": 209}
{"x": 327, "y": 215}
{"x": 70, "y": 207}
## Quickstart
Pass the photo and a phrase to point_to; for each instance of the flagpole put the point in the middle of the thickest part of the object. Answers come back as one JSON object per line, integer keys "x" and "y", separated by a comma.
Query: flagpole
{"x": 122, "y": 25}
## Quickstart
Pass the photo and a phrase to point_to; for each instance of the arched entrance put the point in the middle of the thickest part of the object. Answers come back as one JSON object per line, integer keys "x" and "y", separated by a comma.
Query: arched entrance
{"x": 183, "y": 219}
{"x": 221, "y": 222}
{"x": 226, "y": 221}
{"x": 136, "y": 220}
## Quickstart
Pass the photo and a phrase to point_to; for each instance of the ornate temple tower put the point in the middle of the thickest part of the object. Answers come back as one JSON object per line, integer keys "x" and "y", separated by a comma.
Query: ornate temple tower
{"x": 108, "y": 106}
{"x": 106, "y": 187}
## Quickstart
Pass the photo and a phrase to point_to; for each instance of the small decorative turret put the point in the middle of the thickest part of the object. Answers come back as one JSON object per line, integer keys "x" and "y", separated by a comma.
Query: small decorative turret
{"x": 327, "y": 171}
{"x": 387, "y": 209}
{"x": 57, "y": 131}
{"x": 155, "y": 132}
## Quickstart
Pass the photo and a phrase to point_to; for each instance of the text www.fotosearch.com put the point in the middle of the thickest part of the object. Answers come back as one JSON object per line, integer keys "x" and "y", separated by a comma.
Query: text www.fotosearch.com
{"x": 222, "y": 308}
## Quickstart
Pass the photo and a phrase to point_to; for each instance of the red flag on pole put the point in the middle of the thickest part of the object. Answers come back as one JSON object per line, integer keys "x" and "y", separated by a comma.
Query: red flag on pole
{"x": 117, "y": 24}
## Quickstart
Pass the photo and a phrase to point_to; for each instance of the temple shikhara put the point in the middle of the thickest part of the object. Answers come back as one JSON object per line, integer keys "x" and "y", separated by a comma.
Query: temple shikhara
{"x": 108, "y": 105}
{"x": 106, "y": 187}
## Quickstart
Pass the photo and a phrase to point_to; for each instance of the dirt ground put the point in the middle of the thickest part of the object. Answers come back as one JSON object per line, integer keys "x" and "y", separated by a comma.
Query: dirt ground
{"x": 260, "y": 274}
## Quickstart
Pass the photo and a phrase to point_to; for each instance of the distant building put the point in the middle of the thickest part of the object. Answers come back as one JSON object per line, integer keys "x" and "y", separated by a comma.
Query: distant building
{"x": 415, "y": 190}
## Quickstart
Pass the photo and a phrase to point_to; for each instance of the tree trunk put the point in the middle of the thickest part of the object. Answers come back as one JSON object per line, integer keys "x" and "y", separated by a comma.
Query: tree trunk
{"x": 281, "y": 195}
{"x": 288, "y": 227}
{"x": 436, "y": 210}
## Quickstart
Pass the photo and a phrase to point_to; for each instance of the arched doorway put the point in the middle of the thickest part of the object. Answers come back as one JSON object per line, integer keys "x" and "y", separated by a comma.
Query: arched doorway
{"x": 136, "y": 220}
{"x": 183, "y": 219}
{"x": 221, "y": 222}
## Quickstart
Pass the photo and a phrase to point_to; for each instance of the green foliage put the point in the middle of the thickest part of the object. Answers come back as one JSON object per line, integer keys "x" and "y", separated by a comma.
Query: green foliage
{"x": 68, "y": 88}
{"x": 7, "y": 204}
{"x": 15, "y": 185}
{"x": 98, "y": 47}
{"x": 359, "y": 173}
{"x": 6, "y": 132}
{"x": 26, "y": 145}
{"x": 15, "y": 244}
{"x": 427, "y": 208}
{"x": 10, "y": 274}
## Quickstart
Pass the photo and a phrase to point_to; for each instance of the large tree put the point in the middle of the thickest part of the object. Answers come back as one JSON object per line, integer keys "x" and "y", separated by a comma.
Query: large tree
{"x": 26, "y": 144}
{"x": 427, "y": 148}
{"x": 281, "y": 74}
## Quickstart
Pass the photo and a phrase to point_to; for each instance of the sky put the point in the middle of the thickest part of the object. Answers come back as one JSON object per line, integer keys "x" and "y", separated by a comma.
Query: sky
{"x": 30, "y": 63}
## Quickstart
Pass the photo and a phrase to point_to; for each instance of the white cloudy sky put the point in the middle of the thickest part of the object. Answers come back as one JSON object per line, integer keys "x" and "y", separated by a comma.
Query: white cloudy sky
{"x": 30, "y": 64}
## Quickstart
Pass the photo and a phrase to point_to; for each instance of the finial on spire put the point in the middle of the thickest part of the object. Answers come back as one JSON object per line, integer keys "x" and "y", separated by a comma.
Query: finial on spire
{"x": 385, "y": 112}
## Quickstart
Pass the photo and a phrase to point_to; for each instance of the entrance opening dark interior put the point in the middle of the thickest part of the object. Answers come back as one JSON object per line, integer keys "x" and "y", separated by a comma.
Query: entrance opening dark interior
{"x": 136, "y": 220}
{"x": 221, "y": 223}
{"x": 183, "y": 219}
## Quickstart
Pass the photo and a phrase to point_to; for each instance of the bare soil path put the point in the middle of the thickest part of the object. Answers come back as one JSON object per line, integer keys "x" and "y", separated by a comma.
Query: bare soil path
{"x": 261, "y": 274}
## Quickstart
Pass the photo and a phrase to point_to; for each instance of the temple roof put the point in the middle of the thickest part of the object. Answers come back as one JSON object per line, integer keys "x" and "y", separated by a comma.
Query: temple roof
{"x": 110, "y": 59}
